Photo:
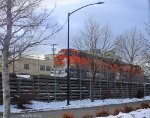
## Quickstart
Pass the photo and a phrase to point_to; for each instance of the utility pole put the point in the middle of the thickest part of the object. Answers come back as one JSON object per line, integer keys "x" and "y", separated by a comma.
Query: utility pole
{"x": 53, "y": 49}
{"x": 38, "y": 79}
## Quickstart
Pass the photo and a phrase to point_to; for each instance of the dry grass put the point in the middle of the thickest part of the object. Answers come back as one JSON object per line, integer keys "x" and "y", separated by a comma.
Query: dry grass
{"x": 127, "y": 109}
{"x": 117, "y": 111}
{"x": 102, "y": 113}
{"x": 68, "y": 115}
{"x": 88, "y": 116}
{"x": 145, "y": 105}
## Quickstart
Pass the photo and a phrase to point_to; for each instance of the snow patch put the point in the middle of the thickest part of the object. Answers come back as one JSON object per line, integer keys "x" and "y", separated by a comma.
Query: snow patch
{"x": 45, "y": 106}
{"x": 23, "y": 76}
{"x": 141, "y": 113}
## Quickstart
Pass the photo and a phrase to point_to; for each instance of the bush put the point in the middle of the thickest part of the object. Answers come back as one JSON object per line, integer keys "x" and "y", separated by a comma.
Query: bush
{"x": 137, "y": 108}
{"x": 22, "y": 100}
{"x": 68, "y": 115}
{"x": 139, "y": 94}
{"x": 12, "y": 75}
{"x": 1, "y": 98}
{"x": 117, "y": 111}
{"x": 127, "y": 109}
{"x": 145, "y": 105}
{"x": 88, "y": 116}
{"x": 102, "y": 113}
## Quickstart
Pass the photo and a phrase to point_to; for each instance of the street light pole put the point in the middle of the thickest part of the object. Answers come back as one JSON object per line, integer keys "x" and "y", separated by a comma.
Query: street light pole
{"x": 38, "y": 79}
{"x": 68, "y": 52}
{"x": 68, "y": 64}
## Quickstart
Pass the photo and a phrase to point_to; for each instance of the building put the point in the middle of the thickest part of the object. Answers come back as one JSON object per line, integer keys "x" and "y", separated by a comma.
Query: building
{"x": 146, "y": 69}
{"x": 50, "y": 57}
{"x": 30, "y": 66}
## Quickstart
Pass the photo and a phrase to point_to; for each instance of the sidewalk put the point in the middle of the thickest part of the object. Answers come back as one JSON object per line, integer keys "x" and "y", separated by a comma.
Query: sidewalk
{"x": 78, "y": 112}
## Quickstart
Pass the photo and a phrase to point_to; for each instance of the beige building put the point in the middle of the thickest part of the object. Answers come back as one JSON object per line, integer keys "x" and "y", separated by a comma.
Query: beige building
{"x": 31, "y": 66}
{"x": 50, "y": 57}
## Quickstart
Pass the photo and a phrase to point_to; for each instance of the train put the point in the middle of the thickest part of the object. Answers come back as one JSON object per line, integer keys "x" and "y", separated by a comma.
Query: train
{"x": 79, "y": 63}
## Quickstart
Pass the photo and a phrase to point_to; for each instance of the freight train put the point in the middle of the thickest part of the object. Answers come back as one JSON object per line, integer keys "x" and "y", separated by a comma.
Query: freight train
{"x": 79, "y": 63}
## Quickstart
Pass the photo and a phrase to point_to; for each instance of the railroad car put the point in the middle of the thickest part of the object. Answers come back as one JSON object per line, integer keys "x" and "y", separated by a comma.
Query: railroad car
{"x": 79, "y": 63}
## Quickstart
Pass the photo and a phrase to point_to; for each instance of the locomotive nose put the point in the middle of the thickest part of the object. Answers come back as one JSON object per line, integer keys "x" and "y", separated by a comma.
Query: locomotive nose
{"x": 59, "y": 57}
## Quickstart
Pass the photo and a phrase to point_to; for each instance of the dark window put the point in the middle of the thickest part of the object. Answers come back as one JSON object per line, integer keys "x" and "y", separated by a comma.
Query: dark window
{"x": 80, "y": 54}
{"x": 48, "y": 68}
{"x": 26, "y": 66}
{"x": 42, "y": 67}
{"x": 70, "y": 53}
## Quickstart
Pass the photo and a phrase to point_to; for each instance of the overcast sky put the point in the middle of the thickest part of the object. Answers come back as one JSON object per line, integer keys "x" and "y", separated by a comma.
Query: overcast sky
{"x": 121, "y": 15}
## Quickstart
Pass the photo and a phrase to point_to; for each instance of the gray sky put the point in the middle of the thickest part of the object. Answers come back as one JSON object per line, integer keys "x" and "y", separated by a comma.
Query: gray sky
{"x": 120, "y": 15}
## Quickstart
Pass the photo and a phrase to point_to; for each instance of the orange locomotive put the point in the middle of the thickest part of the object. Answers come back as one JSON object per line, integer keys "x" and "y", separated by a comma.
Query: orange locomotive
{"x": 61, "y": 62}
{"x": 75, "y": 58}
{"x": 78, "y": 62}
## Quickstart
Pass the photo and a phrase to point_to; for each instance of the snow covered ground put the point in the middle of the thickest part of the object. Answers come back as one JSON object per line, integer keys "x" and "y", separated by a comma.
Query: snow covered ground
{"x": 44, "y": 106}
{"x": 141, "y": 113}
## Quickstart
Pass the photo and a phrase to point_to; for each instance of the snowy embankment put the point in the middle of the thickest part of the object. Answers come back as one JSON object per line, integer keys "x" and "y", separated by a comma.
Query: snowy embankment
{"x": 141, "y": 113}
{"x": 45, "y": 106}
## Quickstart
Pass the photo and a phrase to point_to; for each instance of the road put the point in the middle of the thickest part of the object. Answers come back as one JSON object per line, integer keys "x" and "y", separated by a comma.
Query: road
{"x": 78, "y": 112}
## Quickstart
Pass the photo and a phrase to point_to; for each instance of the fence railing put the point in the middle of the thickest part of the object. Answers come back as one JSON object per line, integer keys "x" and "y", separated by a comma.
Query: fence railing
{"x": 49, "y": 89}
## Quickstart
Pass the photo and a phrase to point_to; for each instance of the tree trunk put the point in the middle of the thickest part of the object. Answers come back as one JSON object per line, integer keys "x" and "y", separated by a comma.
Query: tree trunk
{"x": 130, "y": 82}
{"x": 92, "y": 92}
{"x": 5, "y": 71}
{"x": 6, "y": 84}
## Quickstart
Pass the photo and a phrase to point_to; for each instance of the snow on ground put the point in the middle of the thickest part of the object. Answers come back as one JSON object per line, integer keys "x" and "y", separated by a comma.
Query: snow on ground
{"x": 44, "y": 106}
{"x": 23, "y": 76}
{"x": 141, "y": 113}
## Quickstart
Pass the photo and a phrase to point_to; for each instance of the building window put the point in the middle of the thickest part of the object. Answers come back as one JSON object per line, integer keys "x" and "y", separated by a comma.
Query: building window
{"x": 42, "y": 67}
{"x": 48, "y": 68}
{"x": 26, "y": 66}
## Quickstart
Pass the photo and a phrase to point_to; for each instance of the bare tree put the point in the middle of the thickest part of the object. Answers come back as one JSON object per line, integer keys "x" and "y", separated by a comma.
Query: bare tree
{"x": 22, "y": 25}
{"x": 94, "y": 41}
{"x": 146, "y": 56}
{"x": 130, "y": 46}
{"x": 147, "y": 41}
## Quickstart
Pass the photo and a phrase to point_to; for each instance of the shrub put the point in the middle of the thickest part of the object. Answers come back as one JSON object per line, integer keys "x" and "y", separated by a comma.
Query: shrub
{"x": 88, "y": 116}
{"x": 102, "y": 113}
{"x": 117, "y": 111}
{"x": 12, "y": 75}
{"x": 1, "y": 98}
{"x": 145, "y": 105}
{"x": 136, "y": 108}
{"x": 68, "y": 115}
{"x": 139, "y": 94}
{"x": 22, "y": 100}
{"x": 127, "y": 109}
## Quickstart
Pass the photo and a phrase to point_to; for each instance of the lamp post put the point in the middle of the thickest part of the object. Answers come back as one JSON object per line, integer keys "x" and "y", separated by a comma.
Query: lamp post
{"x": 38, "y": 78}
{"x": 68, "y": 52}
